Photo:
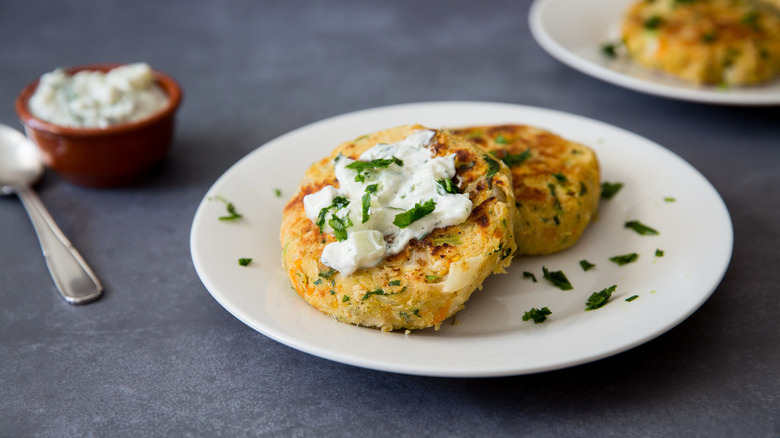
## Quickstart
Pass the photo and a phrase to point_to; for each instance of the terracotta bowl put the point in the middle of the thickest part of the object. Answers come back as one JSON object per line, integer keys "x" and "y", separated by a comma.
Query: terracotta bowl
{"x": 104, "y": 157}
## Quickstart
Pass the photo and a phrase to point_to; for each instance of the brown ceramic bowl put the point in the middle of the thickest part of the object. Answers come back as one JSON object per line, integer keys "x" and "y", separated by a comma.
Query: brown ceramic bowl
{"x": 104, "y": 157}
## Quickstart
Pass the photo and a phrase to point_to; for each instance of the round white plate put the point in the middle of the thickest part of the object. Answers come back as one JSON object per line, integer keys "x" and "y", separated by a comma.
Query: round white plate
{"x": 573, "y": 31}
{"x": 488, "y": 337}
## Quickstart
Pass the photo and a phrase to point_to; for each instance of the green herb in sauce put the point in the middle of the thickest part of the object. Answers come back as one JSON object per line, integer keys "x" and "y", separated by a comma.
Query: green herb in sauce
{"x": 448, "y": 186}
{"x": 361, "y": 167}
{"x": 419, "y": 211}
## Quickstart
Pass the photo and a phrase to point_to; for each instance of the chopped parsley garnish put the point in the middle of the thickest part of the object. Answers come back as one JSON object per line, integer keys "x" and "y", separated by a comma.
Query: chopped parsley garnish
{"x": 624, "y": 259}
{"x": 653, "y": 22}
{"x": 558, "y": 278}
{"x": 583, "y": 189}
{"x": 419, "y": 211}
{"x": 599, "y": 299}
{"x": 327, "y": 274}
{"x": 530, "y": 275}
{"x": 379, "y": 292}
{"x": 659, "y": 253}
{"x": 586, "y": 265}
{"x": 340, "y": 226}
{"x": 318, "y": 281}
{"x": 708, "y": 37}
{"x": 609, "y": 50}
{"x": 338, "y": 203}
{"x": 515, "y": 159}
{"x": 537, "y": 315}
{"x": 750, "y": 19}
{"x": 608, "y": 189}
{"x": 367, "y": 200}
{"x": 558, "y": 207}
{"x": 395, "y": 283}
{"x": 669, "y": 199}
{"x": 641, "y": 228}
{"x": 231, "y": 209}
{"x": 344, "y": 299}
{"x": 278, "y": 193}
{"x": 560, "y": 177}
{"x": 415, "y": 312}
{"x": 244, "y": 261}
{"x": 632, "y": 298}
{"x": 431, "y": 278}
{"x": 448, "y": 185}
{"x": 500, "y": 139}
{"x": 493, "y": 167}
{"x": 363, "y": 166}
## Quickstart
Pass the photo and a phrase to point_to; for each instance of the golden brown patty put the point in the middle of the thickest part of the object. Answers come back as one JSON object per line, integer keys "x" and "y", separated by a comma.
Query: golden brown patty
{"x": 728, "y": 42}
{"x": 556, "y": 183}
{"x": 430, "y": 279}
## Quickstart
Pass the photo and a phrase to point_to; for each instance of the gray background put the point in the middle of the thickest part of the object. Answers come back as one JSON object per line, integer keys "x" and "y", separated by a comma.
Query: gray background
{"x": 158, "y": 356}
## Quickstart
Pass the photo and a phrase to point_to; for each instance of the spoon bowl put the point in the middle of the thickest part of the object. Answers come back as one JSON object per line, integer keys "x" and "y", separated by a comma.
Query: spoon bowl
{"x": 20, "y": 166}
{"x": 20, "y": 163}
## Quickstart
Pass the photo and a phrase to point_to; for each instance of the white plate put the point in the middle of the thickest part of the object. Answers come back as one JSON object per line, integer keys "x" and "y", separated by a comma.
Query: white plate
{"x": 489, "y": 337}
{"x": 573, "y": 31}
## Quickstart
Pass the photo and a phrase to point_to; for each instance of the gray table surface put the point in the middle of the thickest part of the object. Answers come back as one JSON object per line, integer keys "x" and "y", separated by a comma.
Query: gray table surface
{"x": 158, "y": 356}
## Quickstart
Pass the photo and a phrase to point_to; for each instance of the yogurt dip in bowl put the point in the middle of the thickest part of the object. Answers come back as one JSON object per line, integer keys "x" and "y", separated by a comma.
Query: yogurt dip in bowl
{"x": 101, "y": 125}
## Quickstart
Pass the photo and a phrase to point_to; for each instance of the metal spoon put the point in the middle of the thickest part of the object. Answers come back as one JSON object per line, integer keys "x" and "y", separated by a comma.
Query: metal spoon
{"x": 20, "y": 166}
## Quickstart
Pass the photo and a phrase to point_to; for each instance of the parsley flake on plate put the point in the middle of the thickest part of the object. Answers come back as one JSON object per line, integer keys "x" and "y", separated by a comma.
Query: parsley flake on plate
{"x": 610, "y": 189}
{"x": 231, "y": 209}
{"x": 558, "y": 278}
{"x": 586, "y": 265}
{"x": 641, "y": 228}
{"x": 600, "y": 298}
{"x": 624, "y": 259}
{"x": 537, "y": 315}
{"x": 244, "y": 261}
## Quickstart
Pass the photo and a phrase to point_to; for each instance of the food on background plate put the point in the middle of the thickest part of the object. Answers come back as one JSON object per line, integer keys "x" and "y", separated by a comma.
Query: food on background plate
{"x": 556, "y": 183}
{"x": 724, "y": 42}
{"x": 397, "y": 229}
{"x": 94, "y": 99}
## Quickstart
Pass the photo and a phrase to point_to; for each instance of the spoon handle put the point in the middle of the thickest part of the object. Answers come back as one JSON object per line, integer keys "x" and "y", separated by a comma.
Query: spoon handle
{"x": 73, "y": 278}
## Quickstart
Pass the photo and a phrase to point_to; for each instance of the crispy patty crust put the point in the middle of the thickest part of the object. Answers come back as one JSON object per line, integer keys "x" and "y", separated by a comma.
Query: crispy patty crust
{"x": 556, "y": 183}
{"x": 726, "y": 42}
{"x": 431, "y": 278}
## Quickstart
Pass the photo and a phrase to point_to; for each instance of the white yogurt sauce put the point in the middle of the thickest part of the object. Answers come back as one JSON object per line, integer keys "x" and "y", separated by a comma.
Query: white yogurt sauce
{"x": 93, "y": 99}
{"x": 388, "y": 191}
